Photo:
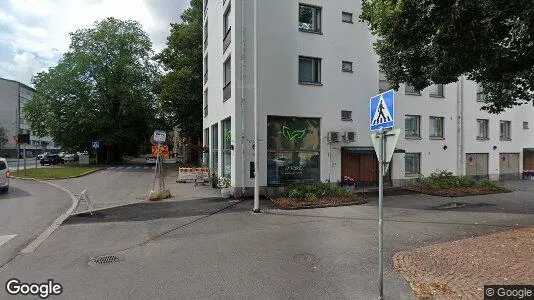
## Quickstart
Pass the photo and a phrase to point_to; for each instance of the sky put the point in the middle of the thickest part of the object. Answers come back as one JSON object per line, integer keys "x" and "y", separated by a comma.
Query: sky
{"x": 35, "y": 33}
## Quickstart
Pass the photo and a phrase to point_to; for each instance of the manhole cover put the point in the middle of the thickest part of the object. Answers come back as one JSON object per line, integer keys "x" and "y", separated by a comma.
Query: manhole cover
{"x": 306, "y": 259}
{"x": 104, "y": 260}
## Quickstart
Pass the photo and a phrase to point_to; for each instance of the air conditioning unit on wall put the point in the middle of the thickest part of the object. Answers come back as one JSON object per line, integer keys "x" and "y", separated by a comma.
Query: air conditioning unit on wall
{"x": 333, "y": 137}
{"x": 349, "y": 136}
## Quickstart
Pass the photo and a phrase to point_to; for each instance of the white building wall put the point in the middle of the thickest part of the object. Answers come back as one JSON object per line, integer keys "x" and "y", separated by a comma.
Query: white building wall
{"x": 279, "y": 45}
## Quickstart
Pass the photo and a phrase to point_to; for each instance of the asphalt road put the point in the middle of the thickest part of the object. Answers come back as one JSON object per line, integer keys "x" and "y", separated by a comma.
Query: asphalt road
{"x": 211, "y": 248}
{"x": 25, "y": 212}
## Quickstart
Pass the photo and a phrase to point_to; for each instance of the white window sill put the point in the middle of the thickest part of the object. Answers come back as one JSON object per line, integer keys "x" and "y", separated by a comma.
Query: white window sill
{"x": 413, "y": 138}
{"x": 411, "y": 175}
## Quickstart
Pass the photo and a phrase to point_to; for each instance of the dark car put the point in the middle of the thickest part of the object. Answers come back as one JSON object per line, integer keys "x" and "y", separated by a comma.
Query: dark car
{"x": 51, "y": 159}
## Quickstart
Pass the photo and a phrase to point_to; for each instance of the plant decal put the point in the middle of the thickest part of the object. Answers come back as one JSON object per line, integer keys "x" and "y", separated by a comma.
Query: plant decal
{"x": 293, "y": 134}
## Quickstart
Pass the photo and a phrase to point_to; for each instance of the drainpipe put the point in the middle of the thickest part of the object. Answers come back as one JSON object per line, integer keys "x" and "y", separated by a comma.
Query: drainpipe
{"x": 243, "y": 98}
{"x": 256, "y": 137}
{"x": 462, "y": 103}
{"x": 460, "y": 130}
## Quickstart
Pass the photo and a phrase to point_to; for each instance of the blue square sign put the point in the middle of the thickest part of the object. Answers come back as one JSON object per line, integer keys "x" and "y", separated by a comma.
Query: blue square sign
{"x": 382, "y": 111}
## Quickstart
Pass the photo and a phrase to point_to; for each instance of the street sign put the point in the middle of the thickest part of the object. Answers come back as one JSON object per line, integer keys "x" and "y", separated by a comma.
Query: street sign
{"x": 96, "y": 144}
{"x": 382, "y": 111}
{"x": 160, "y": 136}
{"x": 391, "y": 140}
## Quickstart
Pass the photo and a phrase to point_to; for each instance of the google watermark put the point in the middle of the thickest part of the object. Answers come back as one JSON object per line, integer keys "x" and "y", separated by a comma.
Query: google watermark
{"x": 509, "y": 292}
{"x": 43, "y": 290}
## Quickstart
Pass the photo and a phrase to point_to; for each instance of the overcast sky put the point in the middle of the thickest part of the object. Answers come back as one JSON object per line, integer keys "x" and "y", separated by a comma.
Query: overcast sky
{"x": 35, "y": 33}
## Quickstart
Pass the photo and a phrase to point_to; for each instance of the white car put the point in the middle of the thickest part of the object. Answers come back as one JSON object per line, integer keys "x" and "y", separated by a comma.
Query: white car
{"x": 4, "y": 175}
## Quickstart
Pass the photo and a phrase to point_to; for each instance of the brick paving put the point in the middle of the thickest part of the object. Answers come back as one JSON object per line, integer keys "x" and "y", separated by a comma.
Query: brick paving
{"x": 460, "y": 269}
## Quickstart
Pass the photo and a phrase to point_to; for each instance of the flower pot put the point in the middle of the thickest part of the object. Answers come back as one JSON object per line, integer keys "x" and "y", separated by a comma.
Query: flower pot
{"x": 225, "y": 193}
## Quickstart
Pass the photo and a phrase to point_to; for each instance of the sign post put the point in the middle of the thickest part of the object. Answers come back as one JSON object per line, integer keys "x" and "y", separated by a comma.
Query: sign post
{"x": 159, "y": 137}
{"x": 382, "y": 118}
{"x": 96, "y": 146}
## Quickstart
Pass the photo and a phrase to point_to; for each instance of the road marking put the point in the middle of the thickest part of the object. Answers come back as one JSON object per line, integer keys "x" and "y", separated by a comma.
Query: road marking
{"x": 5, "y": 238}
{"x": 111, "y": 168}
{"x": 146, "y": 168}
{"x": 138, "y": 167}
{"x": 120, "y": 168}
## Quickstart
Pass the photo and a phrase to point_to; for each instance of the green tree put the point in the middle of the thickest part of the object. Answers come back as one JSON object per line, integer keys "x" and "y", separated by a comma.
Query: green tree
{"x": 180, "y": 87}
{"x": 100, "y": 89}
{"x": 436, "y": 41}
{"x": 3, "y": 137}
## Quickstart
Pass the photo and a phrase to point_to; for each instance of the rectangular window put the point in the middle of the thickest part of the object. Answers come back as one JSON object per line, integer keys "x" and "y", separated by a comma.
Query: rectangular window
{"x": 215, "y": 149}
{"x": 227, "y": 90}
{"x": 412, "y": 126}
{"x": 293, "y": 150}
{"x": 206, "y": 35}
{"x": 525, "y": 125}
{"x": 346, "y": 66}
{"x": 227, "y": 25}
{"x": 206, "y": 103}
{"x": 346, "y": 115}
{"x": 482, "y": 129}
{"x": 436, "y": 127}
{"x": 436, "y": 90}
{"x": 309, "y": 70}
{"x": 505, "y": 134}
{"x": 383, "y": 84}
{"x": 226, "y": 137}
{"x": 481, "y": 97}
{"x": 412, "y": 163}
{"x": 206, "y": 152}
{"x": 410, "y": 90}
{"x": 309, "y": 18}
{"x": 346, "y": 17}
{"x": 206, "y": 68}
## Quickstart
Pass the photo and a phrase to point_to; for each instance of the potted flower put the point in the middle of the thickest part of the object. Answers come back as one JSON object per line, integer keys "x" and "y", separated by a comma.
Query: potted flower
{"x": 348, "y": 183}
{"x": 224, "y": 185}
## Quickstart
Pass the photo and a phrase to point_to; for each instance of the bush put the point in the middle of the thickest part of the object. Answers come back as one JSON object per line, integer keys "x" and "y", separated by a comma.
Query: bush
{"x": 312, "y": 191}
{"x": 445, "y": 179}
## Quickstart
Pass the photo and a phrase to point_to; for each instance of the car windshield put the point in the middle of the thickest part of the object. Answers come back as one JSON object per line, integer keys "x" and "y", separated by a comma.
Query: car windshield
{"x": 3, "y": 165}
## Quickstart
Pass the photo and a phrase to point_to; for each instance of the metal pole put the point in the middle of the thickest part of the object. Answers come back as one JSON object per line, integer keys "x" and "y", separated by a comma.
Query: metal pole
{"x": 18, "y": 156}
{"x": 381, "y": 214}
{"x": 24, "y": 159}
{"x": 256, "y": 139}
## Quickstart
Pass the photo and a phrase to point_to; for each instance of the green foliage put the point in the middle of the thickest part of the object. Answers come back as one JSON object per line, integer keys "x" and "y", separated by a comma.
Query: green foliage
{"x": 434, "y": 41}
{"x": 223, "y": 182}
{"x": 312, "y": 191}
{"x": 100, "y": 89}
{"x": 214, "y": 180}
{"x": 3, "y": 137}
{"x": 444, "y": 180}
{"x": 180, "y": 88}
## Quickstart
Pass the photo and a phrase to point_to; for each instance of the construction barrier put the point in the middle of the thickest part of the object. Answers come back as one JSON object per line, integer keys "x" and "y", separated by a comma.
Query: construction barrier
{"x": 196, "y": 175}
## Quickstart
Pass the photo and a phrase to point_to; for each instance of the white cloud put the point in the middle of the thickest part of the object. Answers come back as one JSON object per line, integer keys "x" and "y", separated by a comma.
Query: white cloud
{"x": 34, "y": 33}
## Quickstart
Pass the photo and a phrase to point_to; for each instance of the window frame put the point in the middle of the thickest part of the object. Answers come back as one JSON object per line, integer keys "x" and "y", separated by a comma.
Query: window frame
{"x": 507, "y": 124}
{"x": 413, "y": 93}
{"x": 317, "y": 16}
{"x": 316, "y": 65}
{"x": 438, "y": 92}
{"x": 486, "y": 123}
{"x": 227, "y": 62}
{"x": 351, "y": 70}
{"x": 347, "y": 112}
{"x": 346, "y": 13}
{"x": 525, "y": 125}
{"x": 416, "y": 157}
{"x": 205, "y": 103}
{"x": 227, "y": 27}
{"x": 411, "y": 136}
{"x": 481, "y": 96}
{"x": 436, "y": 137}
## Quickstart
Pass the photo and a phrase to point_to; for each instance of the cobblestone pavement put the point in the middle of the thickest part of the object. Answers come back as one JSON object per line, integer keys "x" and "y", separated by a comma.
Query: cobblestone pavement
{"x": 460, "y": 269}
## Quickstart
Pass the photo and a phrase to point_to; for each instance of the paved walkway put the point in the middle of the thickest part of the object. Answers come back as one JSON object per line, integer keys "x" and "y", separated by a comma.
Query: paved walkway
{"x": 460, "y": 269}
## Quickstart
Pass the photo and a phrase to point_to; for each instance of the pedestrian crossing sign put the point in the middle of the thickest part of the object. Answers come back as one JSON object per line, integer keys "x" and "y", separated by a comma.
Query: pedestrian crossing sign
{"x": 382, "y": 111}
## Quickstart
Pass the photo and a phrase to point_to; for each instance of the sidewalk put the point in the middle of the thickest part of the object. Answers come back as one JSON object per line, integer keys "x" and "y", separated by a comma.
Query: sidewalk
{"x": 460, "y": 269}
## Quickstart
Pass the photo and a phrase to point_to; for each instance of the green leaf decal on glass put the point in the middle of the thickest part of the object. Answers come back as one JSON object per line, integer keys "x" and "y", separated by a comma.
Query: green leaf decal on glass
{"x": 293, "y": 134}
{"x": 298, "y": 134}
{"x": 286, "y": 131}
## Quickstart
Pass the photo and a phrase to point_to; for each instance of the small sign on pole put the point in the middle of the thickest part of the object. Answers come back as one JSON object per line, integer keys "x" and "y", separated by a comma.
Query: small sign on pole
{"x": 96, "y": 145}
{"x": 160, "y": 136}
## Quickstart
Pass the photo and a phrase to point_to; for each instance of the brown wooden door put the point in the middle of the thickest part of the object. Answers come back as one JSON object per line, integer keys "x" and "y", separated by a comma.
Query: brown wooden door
{"x": 362, "y": 167}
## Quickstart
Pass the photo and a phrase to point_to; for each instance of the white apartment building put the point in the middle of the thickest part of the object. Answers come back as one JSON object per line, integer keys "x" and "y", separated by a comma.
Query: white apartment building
{"x": 316, "y": 73}
{"x": 13, "y": 96}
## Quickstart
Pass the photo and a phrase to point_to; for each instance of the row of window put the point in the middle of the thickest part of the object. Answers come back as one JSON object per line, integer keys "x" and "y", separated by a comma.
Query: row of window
{"x": 310, "y": 18}
{"x": 412, "y": 128}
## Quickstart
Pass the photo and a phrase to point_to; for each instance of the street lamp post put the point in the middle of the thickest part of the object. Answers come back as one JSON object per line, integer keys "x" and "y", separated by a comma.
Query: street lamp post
{"x": 256, "y": 208}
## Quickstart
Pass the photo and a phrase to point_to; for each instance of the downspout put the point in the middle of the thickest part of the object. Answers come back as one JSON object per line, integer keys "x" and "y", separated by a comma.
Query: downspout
{"x": 460, "y": 130}
{"x": 462, "y": 102}
{"x": 243, "y": 98}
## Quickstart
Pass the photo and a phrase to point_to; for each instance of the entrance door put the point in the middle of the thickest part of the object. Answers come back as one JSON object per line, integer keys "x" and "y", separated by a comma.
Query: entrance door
{"x": 477, "y": 165}
{"x": 509, "y": 166}
{"x": 362, "y": 167}
{"x": 528, "y": 160}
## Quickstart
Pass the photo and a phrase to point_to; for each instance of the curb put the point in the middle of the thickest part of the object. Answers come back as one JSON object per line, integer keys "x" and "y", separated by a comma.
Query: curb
{"x": 69, "y": 177}
{"x": 57, "y": 222}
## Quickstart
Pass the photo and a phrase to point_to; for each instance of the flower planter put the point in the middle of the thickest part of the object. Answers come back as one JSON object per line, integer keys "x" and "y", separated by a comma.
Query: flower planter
{"x": 225, "y": 193}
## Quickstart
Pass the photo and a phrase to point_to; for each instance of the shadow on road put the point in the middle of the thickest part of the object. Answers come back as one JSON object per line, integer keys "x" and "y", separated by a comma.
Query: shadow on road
{"x": 14, "y": 193}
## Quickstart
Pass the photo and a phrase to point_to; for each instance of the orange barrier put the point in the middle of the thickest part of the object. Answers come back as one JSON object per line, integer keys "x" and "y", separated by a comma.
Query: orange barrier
{"x": 197, "y": 175}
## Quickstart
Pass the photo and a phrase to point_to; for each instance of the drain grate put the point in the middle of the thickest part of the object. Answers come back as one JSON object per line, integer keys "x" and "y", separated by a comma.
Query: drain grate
{"x": 306, "y": 259}
{"x": 104, "y": 260}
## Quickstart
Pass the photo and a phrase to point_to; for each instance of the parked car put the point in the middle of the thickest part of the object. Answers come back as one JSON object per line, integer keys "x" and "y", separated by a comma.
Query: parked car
{"x": 4, "y": 175}
{"x": 40, "y": 156}
{"x": 70, "y": 157}
{"x": 52, "y": 159}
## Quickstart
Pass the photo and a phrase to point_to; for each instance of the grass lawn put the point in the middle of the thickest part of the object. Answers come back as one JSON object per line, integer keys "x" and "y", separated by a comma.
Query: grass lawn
{"x": 55, "y": 172}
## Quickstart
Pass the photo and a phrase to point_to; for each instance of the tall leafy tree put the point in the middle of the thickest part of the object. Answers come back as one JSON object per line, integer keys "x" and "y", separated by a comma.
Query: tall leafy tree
{"x": 180, "y": 87}
{"x": 101, "y": 89}
{"x": 436, "y": 41}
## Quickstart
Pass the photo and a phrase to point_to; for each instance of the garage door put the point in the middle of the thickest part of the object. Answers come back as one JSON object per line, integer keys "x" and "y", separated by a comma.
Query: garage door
{"x": 477, "y": 165}
{"x": 362, "y": 167}
{"x": 509, "y": 166}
